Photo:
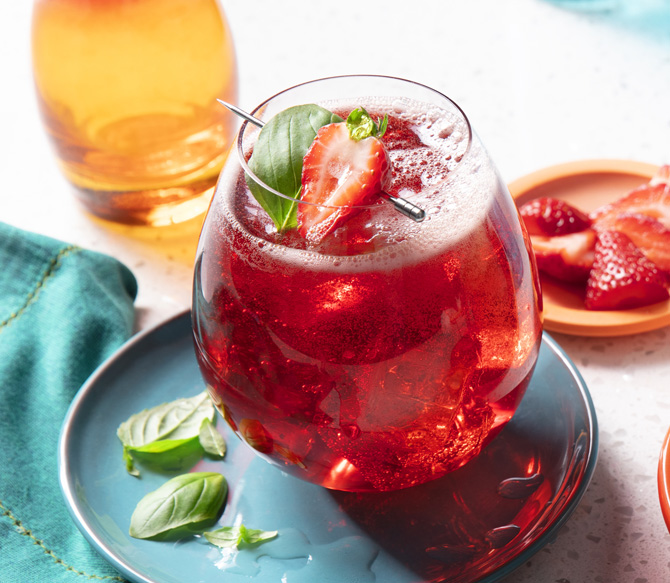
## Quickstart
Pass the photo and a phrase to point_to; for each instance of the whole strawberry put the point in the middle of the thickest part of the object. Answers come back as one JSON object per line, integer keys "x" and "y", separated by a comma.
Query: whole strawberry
{"x": 622, "y": 277}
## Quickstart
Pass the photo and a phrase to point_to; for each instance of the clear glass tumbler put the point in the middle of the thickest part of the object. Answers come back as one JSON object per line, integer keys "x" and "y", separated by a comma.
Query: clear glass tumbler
{"x": 392, "y": 351}
{"x": 127, "y": 91}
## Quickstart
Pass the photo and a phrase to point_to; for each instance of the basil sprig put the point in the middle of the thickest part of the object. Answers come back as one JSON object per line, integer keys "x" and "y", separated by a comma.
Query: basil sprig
{"x": 277, "y": 159}
{"x": 189, "y": 503}
{"x": 361, "y": 125}
{"x": 182, "y": 506}
{"x": 168, "y": 436}
{"x": 236, "y": 536}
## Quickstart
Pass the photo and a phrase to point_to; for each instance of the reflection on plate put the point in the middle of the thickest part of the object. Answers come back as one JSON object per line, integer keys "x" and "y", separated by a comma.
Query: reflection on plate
{"x": 476, "y": 524}
{"x": 587, "y": 185}
{"x": 664, "y": 479}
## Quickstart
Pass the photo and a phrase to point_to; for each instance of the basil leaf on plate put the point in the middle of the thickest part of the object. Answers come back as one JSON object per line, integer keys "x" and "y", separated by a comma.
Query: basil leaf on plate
{"x": 211, "y": 440}
{"x": 174, "y": 425}
{"x": 174, "y": 420}
{"x": 277, "y": 159}
{"x": 234, "y": 536}
{"x": 182, "y": 506}
{"x": 165, "y": 454}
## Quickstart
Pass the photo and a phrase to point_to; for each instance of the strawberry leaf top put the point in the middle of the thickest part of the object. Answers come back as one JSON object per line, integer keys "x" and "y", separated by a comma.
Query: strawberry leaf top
{"x": 362, "y": 126}
{"x": 278, "y": 157}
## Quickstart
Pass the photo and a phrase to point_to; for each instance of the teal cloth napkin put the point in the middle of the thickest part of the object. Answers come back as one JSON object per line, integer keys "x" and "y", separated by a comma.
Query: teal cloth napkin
{"x": 63, "y": 310}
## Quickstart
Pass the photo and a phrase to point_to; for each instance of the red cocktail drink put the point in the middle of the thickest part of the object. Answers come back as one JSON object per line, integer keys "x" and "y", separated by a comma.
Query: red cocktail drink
{"x": 391, "y": 351}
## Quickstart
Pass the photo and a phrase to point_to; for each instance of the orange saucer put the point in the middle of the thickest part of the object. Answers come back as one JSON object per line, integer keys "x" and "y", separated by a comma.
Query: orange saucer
{"x": 587, "y": 185}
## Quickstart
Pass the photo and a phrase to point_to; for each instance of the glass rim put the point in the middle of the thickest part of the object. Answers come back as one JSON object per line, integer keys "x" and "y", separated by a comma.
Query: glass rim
{"x": 247, "y": 170}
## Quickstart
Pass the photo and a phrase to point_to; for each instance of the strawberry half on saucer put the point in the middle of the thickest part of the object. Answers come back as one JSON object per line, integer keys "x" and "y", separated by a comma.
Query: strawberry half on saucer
{"x": 561, "y": 237}
{"x": 652, "y": 200}
{"x": 622, "y": 276}
{"x": 567, "y": 258}
{"x": 644, "y": 216}
{"x": 551, "y": 217}
{"x": 648, "y": 233}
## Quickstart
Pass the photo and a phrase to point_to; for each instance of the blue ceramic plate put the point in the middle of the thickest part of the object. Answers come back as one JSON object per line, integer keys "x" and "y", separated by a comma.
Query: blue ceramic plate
{"x": 476, "y": 524}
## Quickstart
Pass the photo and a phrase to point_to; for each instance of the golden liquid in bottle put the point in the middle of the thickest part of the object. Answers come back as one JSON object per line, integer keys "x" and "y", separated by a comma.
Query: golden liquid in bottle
{"x": 127, "y": 90}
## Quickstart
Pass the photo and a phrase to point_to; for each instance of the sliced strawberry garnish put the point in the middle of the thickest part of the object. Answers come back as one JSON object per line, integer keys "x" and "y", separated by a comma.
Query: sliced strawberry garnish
{"x": 650, "y": 235}
{"x": 552, "y": 216}
{"x": 622, "y": 277}
{"x": 346, "y": 165}
{"x": 651, "y": 199}
{"x": 567, "y": 257}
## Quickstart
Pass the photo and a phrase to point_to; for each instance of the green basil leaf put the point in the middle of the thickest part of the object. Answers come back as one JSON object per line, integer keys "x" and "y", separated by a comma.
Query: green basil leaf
{"x": 211, "y": 440}
{"x": 175, "y": 423}
{"x": 277, "y": 159}
{"x": 253, "y": 536}
{"x": 178, "y": 419}
{"x": 168, "y": 454}
{"x": 162, "y": 446}
{"x": 234, "y": 536}
{"x": 182, "y": 506}
{"x": 226, "y": 537}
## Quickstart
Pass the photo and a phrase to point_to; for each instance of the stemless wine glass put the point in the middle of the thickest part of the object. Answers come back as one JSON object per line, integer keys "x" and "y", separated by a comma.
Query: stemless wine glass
{"x": 127, "y": 91}
{"x": 392, "y": 351}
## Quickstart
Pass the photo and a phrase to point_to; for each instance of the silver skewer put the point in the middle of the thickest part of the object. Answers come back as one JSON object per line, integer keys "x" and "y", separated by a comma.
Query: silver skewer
{"x": 402, "y": 205}
{"x": 243, "y": 114}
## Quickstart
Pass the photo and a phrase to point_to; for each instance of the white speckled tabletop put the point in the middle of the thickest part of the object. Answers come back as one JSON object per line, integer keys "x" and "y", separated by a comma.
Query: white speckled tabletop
{"x": 542, "y": 85}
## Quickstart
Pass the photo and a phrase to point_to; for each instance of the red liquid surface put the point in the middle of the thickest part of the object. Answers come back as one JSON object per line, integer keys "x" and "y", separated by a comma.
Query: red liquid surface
{"x": 365, "y": 375}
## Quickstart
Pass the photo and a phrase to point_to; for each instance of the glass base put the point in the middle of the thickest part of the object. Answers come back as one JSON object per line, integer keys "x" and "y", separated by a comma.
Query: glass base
{"x": 155, "y": 207}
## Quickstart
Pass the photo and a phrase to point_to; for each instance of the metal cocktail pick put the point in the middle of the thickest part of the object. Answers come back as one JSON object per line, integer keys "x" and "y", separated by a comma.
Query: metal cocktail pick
{"x": 402, "y": 205}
